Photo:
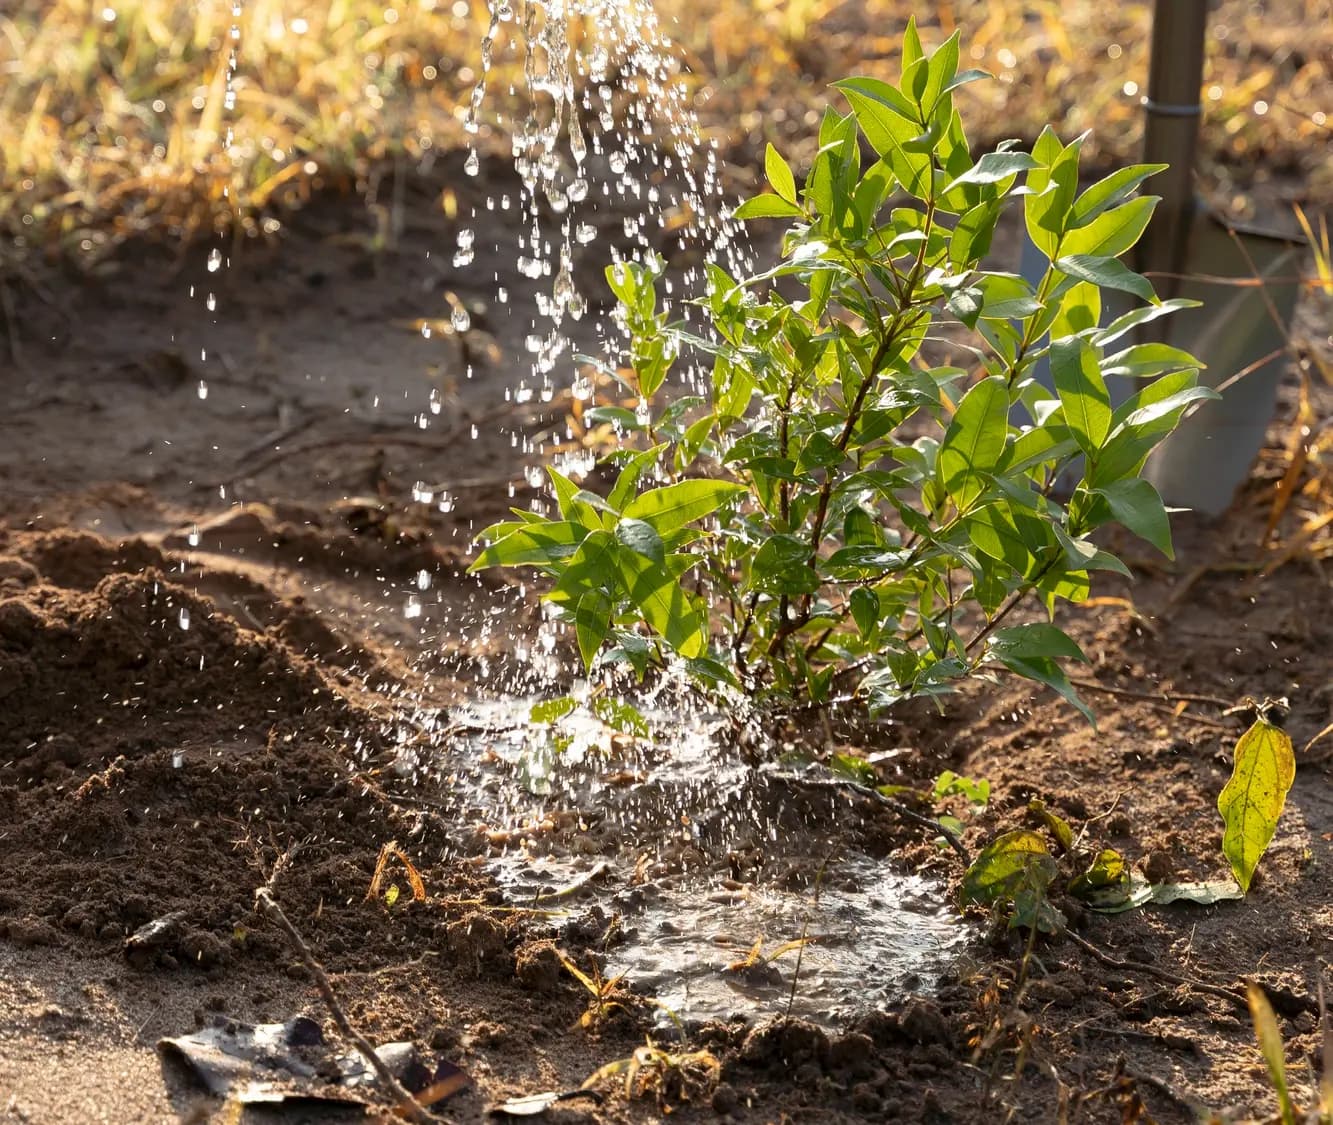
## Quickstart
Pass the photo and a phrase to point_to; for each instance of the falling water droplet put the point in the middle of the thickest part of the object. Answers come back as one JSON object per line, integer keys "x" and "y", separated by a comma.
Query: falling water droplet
{"x": 184, "y": 618}
{"x": 214, "y": 260}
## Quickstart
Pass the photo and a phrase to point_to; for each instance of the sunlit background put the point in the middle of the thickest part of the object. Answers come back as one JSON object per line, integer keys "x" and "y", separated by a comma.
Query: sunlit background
{"x": 157, "y": 116}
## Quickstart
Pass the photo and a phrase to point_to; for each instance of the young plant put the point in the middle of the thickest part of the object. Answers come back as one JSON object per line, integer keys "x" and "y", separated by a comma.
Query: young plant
{"x": 844, "y": 501}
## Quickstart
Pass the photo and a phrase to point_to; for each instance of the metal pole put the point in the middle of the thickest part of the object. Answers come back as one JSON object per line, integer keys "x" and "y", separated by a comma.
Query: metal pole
{"x": 1171, "y": 133}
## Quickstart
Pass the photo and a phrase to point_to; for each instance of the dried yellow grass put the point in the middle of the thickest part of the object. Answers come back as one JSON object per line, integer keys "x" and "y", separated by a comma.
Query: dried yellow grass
{"x": 117, "y": 118}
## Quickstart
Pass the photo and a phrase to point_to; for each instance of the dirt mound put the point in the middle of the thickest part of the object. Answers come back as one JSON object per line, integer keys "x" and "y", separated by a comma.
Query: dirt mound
{"x": 137, "y": 661}
{"x": 168, "y": 755}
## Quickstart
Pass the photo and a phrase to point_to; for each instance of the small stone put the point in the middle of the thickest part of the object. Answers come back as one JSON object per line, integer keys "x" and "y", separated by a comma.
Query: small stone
{"x": 537, "y": 966}
{"x": 1157, "y": 867}
{"x": 866, "y": 1099}
{"x": 199, "y": 947}
{"x": 444, "y": 1038}
{"x": 853, "y": 1053}
{"x": 725, "y": 1098}
{"x": 923, "y": 1022}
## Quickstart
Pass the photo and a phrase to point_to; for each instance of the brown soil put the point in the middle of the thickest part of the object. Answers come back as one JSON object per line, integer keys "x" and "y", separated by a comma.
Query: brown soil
{"x": 206, "y": 671}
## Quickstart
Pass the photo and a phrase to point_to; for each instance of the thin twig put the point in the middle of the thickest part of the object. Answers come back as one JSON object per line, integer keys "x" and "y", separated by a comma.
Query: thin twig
{"x": 1157, "y": 696}
{"x": 407, "y": 1104}
{"x": 1234, "y": 995}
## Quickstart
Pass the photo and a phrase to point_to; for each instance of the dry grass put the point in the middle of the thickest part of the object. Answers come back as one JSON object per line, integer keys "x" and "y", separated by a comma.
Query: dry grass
{"x": 117, "y": 118}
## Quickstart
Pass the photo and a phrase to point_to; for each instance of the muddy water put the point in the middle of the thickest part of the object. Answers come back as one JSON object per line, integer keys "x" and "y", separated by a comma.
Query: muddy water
{"x": 721, "y": 888}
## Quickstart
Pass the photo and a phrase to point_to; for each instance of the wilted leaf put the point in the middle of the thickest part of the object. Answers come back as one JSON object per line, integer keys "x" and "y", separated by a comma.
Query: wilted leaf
{"x": 1252, "y": 801}
{"x": 532, "y": 1104}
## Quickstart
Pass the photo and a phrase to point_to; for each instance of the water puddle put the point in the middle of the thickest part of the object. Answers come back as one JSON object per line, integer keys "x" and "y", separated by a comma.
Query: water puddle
{"x": 713, "y": 884}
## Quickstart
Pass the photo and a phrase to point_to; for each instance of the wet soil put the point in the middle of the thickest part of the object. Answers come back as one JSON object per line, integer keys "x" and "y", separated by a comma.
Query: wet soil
{"x": 237, "y": 650}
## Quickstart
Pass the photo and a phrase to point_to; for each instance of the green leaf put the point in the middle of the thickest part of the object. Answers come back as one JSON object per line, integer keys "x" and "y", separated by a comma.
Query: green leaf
{"x": 853, "y": 768}
{"x": 1251, "y": 802}
{"x": 1038, "y": 638}
{"x": 551, "y": 710}
{"x": 1046, "y": 671}
{"x": 1106, "y": 877}
{"x": 1270, "y": 1046}
{"x": 779, "y": 175}
{"x": 592, "y": 621}
{"x": 974, "y": 441}
{"x": 1115, "y": 188}
{"x": 1112, "y": 232}
{"x": 879, "y": 110}
{"x": 994, "y": 167}
{"x": 864, "y": 605}
{"x": 664, "y": 604}
{"x": 949, "y": 784}
{"x": 619, "y": 416}
{"x": 1057, "y": 826}
{"x": 1135, "y": 503}
{"x": 632, "y": 469}
{"x": 535, "y": 544}
{"x": 767, "y": 207}
{"x": 971, "y": 238}
{"x": 1016, "y": 870}
{"x": 1082, "y": 391}
{"x": 1107, "y": 273}
{"x": 639, "y": 535}
{"x": 621, "y": 716}
{"x": 1131, "y": 320}
{"x": 673, "y": 506}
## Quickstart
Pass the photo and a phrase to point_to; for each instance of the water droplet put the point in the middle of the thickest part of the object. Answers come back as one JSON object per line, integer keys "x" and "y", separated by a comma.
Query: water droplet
{"x": 184, "y": 618}
{"x": 472, "y": 165}
{"x": 460, "y": 319}
{"x": 203, "y": 389}
{"x": 214, "y": 260}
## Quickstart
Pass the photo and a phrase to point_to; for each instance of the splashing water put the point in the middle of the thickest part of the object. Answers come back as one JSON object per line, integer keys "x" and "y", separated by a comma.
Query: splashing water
{"x": 609, "y": 124}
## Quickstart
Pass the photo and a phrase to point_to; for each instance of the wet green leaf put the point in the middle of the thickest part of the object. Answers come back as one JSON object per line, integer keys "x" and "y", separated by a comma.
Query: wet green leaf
{"x": 621, "y": 716}
{"x": 551, "y": 710}
{"x": 673, "y": 506}
{"x": 1251, "y": 802}
{"x": 1107, "y": 874}
{"x": 592, "y": 621}
{"x": 854, "y": 768}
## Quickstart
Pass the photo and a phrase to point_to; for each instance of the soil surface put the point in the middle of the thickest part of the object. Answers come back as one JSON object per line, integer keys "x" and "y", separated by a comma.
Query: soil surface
{"x": 237, "y": 642}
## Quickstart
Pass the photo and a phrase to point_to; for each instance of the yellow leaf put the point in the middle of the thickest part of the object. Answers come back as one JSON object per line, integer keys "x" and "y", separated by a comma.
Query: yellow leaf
{"x": 1251, "y": 802}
